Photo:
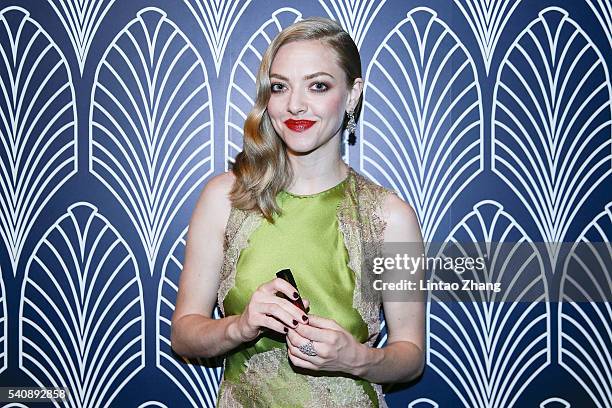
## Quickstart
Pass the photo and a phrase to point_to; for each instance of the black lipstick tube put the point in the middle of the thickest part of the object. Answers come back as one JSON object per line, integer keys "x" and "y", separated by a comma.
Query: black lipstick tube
{"x": 286, "y": 275}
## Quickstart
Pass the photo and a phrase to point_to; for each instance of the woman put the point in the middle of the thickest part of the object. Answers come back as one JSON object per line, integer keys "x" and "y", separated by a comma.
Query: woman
{"x": 291, "y": 202}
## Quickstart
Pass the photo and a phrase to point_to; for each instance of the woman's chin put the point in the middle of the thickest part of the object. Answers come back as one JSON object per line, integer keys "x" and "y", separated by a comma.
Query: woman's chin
{"x": 302, "y": 145}
{"x": 300, "y": 150}
{"x": 299, "y": 147}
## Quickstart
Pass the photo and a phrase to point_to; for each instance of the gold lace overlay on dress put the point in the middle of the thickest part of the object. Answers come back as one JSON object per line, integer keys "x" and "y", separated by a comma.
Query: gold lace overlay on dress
{"x": 269, "y": 377}
{"x": 240, "y": 225}
{"x": 362, "y": 227}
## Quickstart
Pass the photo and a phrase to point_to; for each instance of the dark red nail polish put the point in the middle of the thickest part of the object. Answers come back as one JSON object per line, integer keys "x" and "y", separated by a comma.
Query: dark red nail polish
{"x": 296, "y": 295}
{"x": 295, "y": 322}
{"x": 286, "y": 329}
{"x": 304, "y": 317}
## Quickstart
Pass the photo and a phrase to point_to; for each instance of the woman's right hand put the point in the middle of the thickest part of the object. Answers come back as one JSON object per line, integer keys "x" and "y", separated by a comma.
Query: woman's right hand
{"x": 267, "y": 310}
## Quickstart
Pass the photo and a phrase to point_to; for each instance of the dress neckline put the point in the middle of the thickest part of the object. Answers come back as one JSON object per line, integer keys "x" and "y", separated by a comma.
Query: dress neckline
{"x": 326, "y": 191}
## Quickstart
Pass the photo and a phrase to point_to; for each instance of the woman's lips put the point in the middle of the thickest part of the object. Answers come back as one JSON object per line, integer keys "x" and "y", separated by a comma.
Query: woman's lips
{"x": 299, "y": 125}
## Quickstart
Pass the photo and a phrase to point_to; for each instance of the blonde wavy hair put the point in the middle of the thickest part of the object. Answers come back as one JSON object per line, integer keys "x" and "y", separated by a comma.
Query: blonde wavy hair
{"x": 262, "y": 169}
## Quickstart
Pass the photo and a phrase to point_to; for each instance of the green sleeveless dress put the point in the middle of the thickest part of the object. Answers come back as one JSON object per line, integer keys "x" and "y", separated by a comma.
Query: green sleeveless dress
{"x": 312, "y": 237}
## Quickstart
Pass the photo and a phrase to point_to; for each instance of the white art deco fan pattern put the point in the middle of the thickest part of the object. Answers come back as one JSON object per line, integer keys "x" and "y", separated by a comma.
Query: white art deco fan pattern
{"x": 492, "y": 118}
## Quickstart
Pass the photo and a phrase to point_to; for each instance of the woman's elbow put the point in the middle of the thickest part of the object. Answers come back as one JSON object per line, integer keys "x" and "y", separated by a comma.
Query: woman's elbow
{"x": 419, "y": 364}
{"x": 176, "y": 342}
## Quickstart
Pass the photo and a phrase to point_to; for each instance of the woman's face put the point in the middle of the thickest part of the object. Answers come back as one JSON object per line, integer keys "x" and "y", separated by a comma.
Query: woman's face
{"x": 309, "y": 96}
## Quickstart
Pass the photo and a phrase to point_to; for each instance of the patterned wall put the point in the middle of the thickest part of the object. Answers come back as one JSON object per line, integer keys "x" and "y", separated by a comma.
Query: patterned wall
{"x": 491, "y": 117}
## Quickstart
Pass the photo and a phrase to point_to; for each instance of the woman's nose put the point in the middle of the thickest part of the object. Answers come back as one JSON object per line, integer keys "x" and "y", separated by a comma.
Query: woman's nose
{"x": 296, "y": 103}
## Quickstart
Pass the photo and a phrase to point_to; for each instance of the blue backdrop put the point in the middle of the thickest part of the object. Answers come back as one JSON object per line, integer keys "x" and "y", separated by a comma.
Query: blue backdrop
{"x": 491, "y": 117}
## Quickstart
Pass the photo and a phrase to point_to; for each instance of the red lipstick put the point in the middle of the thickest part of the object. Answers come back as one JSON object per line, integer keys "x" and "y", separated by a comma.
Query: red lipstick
{"x": 299, "y": 125}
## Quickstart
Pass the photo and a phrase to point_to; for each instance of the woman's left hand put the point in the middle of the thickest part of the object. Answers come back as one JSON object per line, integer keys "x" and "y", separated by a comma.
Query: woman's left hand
{"x": 336, "y": 348}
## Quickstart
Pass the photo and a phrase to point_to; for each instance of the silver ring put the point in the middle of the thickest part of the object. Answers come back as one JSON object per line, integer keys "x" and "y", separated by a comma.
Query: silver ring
{"x": 308, "y": 349}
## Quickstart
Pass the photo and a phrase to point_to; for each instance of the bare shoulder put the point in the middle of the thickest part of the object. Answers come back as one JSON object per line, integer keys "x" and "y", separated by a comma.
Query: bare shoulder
{"x": 220, "y": 185}
{"x": 214, "y": 204}
{"x": 396, "y": 210}
{"x": 402, "y": 223}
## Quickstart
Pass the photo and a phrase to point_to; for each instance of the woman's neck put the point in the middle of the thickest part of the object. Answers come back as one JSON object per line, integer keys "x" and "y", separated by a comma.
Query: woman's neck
{"x": 313, "y": 176}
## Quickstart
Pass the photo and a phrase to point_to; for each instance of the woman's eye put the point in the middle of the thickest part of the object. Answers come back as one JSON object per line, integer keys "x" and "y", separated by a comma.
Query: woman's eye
{"x": 277, "y": 88}
{"x": 319, "y": 87}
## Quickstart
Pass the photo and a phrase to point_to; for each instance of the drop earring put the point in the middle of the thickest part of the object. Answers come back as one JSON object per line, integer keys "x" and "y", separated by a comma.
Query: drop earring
{"x": 350, "y": 127}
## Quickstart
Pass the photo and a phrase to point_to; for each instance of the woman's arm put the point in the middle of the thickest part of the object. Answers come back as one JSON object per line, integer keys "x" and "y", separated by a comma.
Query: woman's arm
{"x": 403, "y": 358}
{"x": 194, "y": 332}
